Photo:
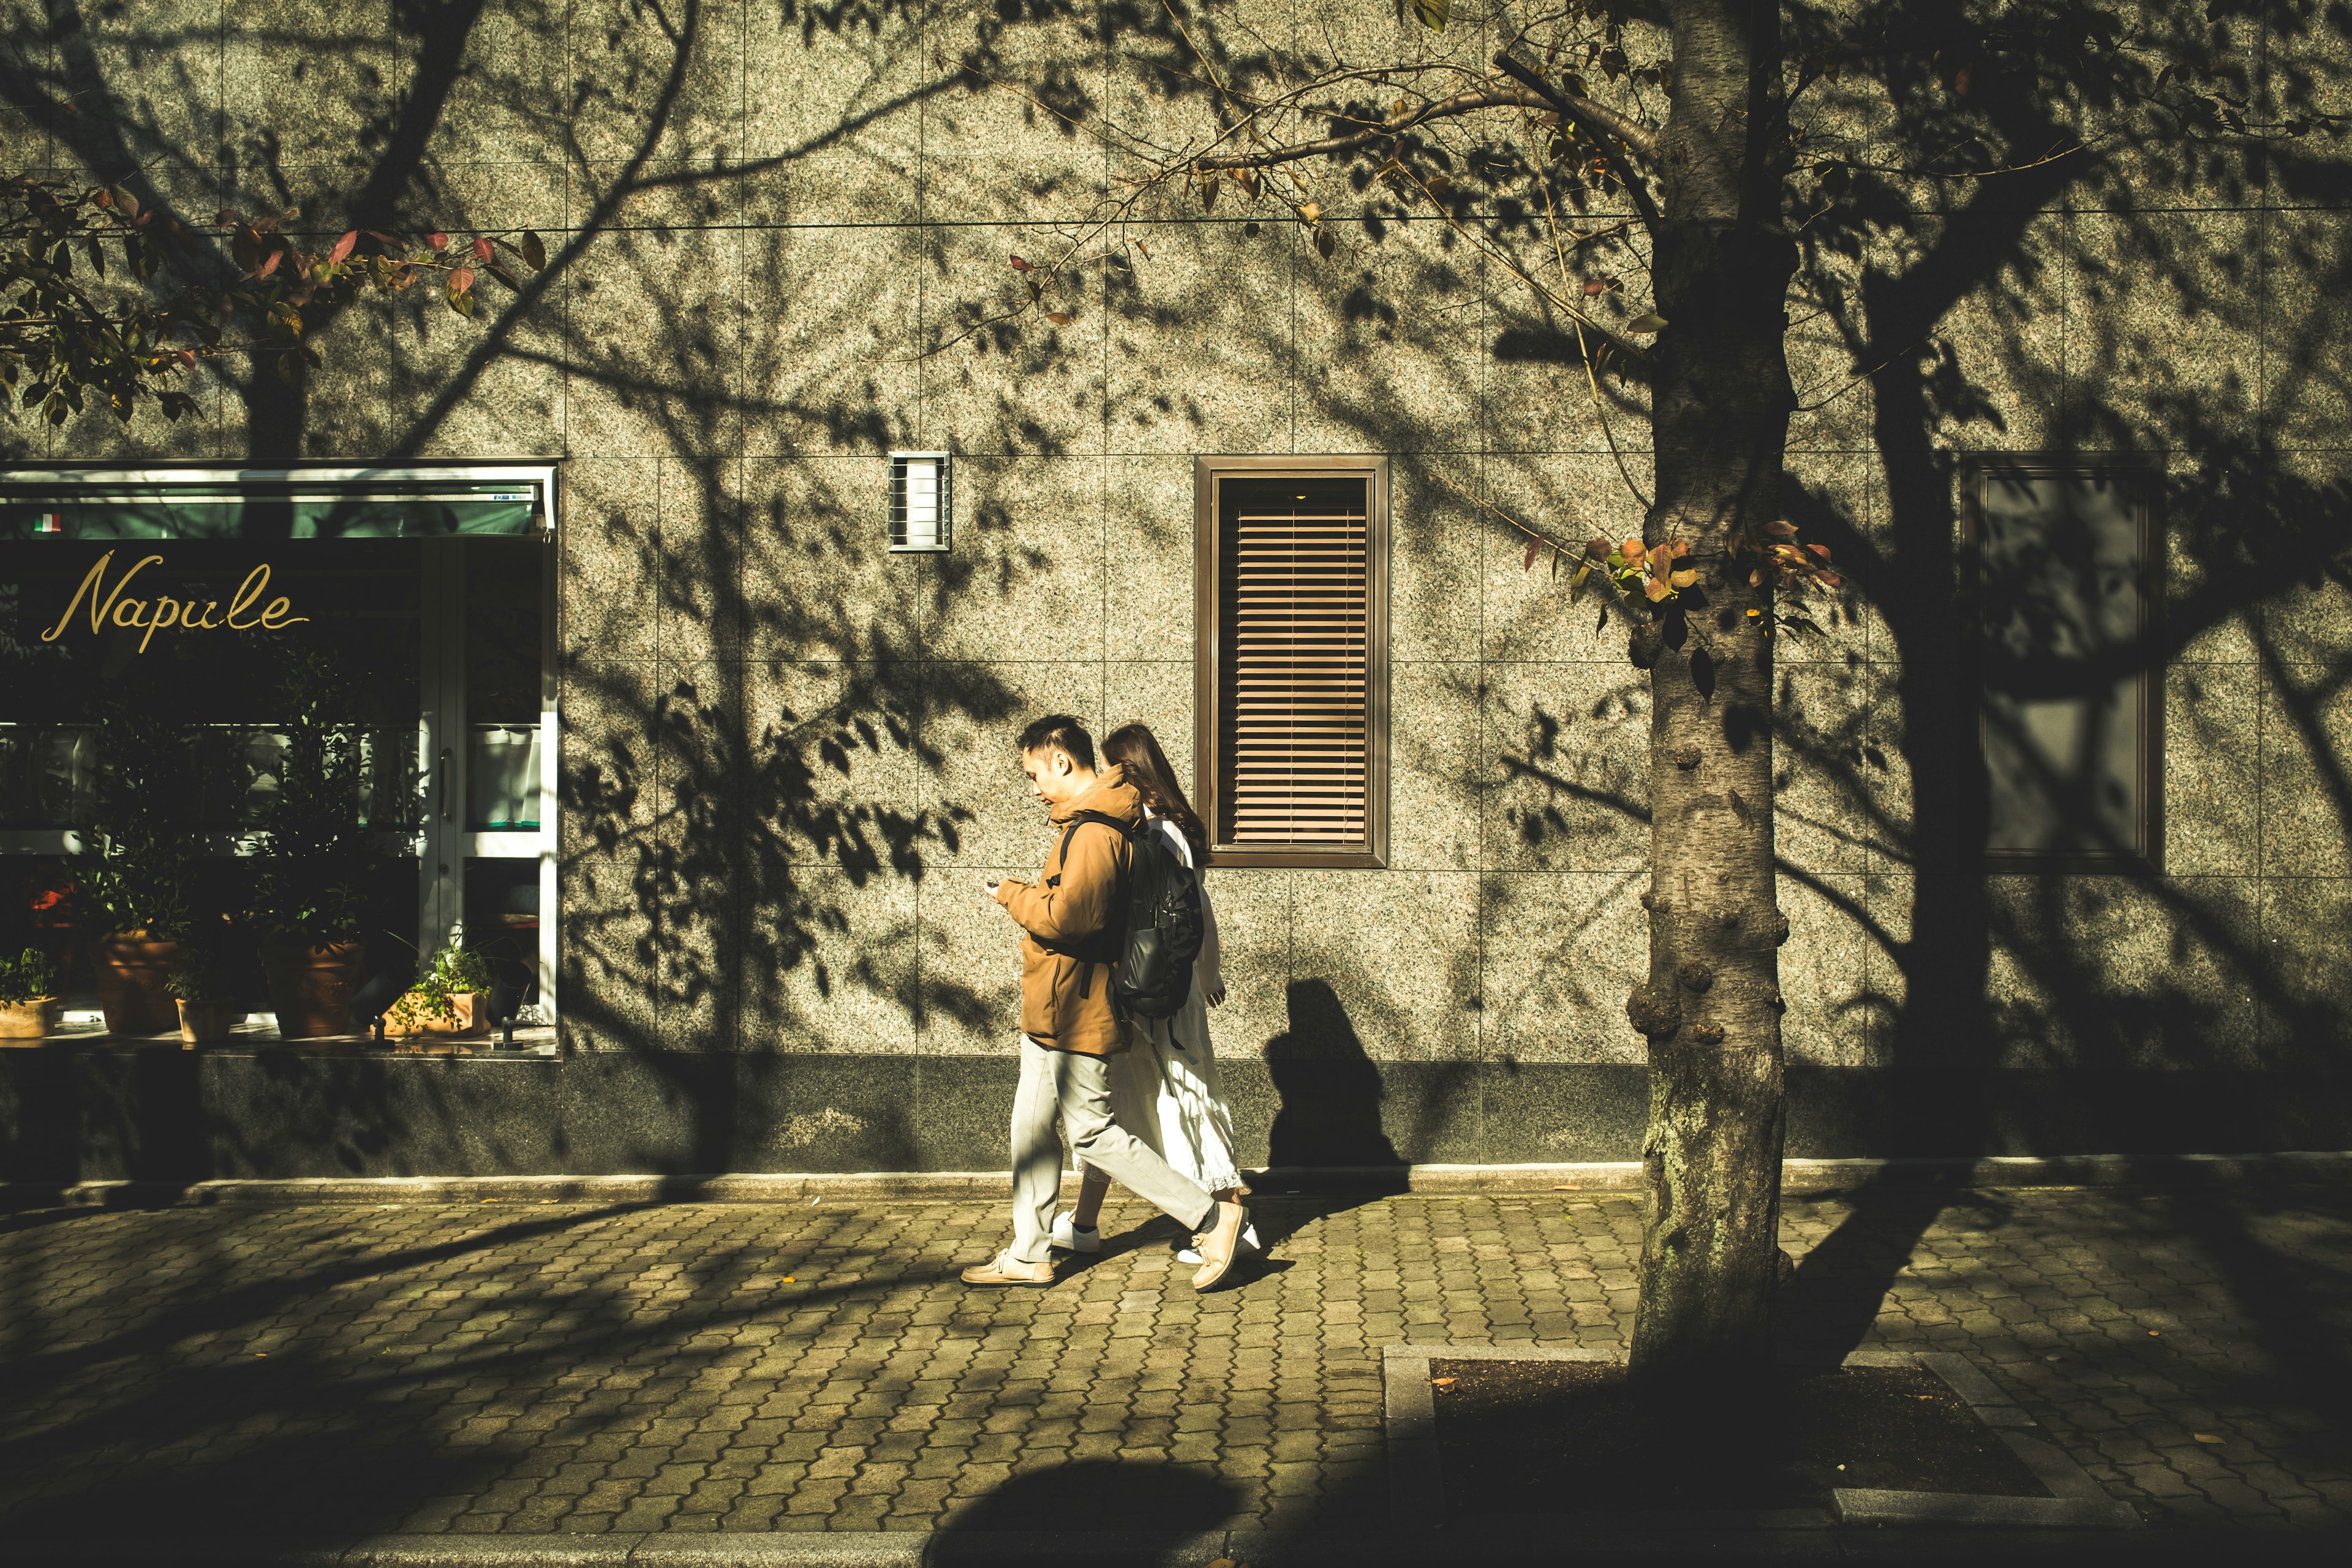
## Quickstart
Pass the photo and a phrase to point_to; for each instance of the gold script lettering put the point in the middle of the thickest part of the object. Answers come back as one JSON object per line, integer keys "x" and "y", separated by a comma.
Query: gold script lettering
{"x": 245, "y": 598}
{"x": 168, "y": 612}
{"x": 98, "y": 612}
{"x": 150, "y": 617}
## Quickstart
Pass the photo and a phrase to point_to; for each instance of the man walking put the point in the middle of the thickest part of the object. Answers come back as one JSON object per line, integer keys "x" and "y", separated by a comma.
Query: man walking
{"x": 1072, "y": 923}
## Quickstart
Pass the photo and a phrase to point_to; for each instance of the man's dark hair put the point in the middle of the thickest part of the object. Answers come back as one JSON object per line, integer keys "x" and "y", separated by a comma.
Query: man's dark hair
{"x": 1059, "y": 732}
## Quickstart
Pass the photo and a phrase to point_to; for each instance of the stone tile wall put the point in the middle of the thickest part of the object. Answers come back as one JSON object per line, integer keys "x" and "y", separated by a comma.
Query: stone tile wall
{"x": 779, "y": 246}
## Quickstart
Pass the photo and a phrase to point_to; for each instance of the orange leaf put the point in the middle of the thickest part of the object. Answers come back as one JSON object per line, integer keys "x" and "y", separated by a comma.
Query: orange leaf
{"x": 461, "y": 279}
{"x": 484, "y": 252}
{"x": 1021, "y": 266}
{"x": 1529, "y": 563}
{"x": 343, "y": 246}
{"x": 1780, "y": 530}
{"x": 1820, "y": 550}
{"x": 1682, "y": 548}
{"x": 437, "y": 240}
{"x": 1059, "y": 318}
{"x": 1632, "y": 550}
{"x": 1656, "y": 589}
{"x": 1441, "y": 1382}
{"x": 1683, "y": 579}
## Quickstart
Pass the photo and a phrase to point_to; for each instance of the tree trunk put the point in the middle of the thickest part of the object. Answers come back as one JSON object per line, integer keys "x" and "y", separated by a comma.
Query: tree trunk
{"x": 1711, "y": 1005}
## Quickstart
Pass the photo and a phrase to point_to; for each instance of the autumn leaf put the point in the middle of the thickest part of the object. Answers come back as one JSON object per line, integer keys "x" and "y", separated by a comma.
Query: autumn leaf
{"x": 1529, "y": 563}
{"x": 461, "y": 279}
{"x": 1595, "y": 286}
{"x": 1655, "y": 589}
{"x": 1021, "y": 266}
{"x": 1682, "y": 579}
{"x": 1440, "y": 1382}
{"x": 1644, "y": 325}
{"x": 437, "y": 240}
{"x": 1433, "y": 12}
{"x": 343, "y": 246}
{"x": 1633, "y": 549}
{"x": 1059, "y": 318}
{"x": 1781, "y": 530}
{"x": 485, "y": 252}
{"x": 1820, "y": 550}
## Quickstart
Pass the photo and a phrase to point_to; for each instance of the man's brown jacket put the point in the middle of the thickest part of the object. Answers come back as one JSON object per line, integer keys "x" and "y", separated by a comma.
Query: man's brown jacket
{"x": 1073, "y": 919}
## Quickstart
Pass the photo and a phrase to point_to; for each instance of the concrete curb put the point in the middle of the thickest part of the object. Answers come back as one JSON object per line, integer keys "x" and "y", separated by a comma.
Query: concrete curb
{"x": 1417, "y": 1471}
{"x": 1539, "y": 1542}
{"x": 1803, "y": 1176}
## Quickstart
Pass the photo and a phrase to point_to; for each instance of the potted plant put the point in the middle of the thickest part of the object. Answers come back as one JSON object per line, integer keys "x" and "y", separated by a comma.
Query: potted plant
{"x": 315, "y": 856}
{"x": 137, "y": 862}
{"x": 29, "y": 1003}
{"x": 451, "y": 997}
{"x": 203, "y": 986}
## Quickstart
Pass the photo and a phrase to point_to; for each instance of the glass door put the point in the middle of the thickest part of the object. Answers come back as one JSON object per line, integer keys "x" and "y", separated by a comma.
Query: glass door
{"x": 486, "y": 747}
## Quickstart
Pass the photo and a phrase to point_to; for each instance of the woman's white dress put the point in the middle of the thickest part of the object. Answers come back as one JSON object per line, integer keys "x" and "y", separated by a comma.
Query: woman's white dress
{"x": 1164, "y": 1087}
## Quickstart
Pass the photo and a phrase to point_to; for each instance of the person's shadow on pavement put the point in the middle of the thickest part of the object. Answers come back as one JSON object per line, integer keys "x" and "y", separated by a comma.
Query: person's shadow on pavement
{"x": 1141, "y": 1513}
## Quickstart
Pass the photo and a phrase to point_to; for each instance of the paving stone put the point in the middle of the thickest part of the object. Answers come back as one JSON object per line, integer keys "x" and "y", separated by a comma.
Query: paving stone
{"x": 428, "y": 1369}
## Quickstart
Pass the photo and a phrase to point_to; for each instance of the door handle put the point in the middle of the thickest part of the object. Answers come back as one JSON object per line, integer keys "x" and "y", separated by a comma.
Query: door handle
{"x": 445, "y": 783}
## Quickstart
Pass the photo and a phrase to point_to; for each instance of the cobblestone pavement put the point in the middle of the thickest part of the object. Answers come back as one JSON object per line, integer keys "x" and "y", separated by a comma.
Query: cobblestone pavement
{"x": 723, "y": 1366}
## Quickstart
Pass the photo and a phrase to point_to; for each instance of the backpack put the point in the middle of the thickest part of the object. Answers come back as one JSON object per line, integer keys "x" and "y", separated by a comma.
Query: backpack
{"x": 1153, "y": 972}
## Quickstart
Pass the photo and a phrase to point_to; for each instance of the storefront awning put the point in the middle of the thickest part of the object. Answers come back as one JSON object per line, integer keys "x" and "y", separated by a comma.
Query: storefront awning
{"x": 273, "y": 503}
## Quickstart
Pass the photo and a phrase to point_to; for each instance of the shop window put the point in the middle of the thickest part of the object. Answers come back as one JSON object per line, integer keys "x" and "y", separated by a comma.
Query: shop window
{"x": 2062, "y": 551}
{"x": 1292, "y": 660}
{"x": 429, "y": 590}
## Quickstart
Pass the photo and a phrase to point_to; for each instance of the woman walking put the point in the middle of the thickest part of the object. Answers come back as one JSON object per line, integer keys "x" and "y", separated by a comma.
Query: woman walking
{"x": 1165, "y": 1089}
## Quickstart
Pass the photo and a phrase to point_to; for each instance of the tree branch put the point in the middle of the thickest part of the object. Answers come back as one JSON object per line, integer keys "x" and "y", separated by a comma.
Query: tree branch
{"x": 1461, "y": 103}
{"x": 1576, "y": 106}
{"x": 1570, "y": 106}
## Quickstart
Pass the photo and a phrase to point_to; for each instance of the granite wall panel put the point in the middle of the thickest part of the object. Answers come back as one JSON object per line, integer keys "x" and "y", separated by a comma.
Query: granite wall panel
{"x": 787, "y": 753}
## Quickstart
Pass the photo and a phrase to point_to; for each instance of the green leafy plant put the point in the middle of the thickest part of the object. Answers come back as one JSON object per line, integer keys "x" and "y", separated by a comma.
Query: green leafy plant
{"x": 201, "y": 971}
{"x": 28, "y": 978}
{"x": 139, "y": 852}
{"x": 452, "y": 972}
{"x": 315, "y": 855}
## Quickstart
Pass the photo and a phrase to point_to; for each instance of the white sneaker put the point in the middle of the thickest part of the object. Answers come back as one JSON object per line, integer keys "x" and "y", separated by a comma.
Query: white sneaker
{"x": 1070, "y": 1239}
{"x": 1249, "y": 1240}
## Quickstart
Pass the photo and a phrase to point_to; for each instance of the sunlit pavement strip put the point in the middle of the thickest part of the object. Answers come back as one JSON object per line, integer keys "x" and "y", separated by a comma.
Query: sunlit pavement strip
{"x": 645, "y": 1371}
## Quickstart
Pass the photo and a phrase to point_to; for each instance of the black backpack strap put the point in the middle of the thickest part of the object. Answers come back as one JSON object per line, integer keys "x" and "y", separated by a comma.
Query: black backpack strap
{"x": 1078, "y": 819}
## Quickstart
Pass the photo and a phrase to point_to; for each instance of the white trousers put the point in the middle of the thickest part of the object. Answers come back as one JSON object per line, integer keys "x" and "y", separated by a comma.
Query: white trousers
{"x": 1076, "y": 1090}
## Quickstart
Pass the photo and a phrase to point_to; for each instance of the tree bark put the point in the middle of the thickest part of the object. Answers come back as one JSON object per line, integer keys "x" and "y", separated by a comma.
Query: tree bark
{"x": 1711, "y": 1005}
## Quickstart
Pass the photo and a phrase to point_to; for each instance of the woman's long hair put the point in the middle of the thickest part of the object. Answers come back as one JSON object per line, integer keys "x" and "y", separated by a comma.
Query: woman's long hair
{"x": 1137, "y": 749}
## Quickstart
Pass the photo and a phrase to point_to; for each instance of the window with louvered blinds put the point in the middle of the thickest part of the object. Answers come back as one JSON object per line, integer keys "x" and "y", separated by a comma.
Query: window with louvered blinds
{"x": 1297, "y": 684}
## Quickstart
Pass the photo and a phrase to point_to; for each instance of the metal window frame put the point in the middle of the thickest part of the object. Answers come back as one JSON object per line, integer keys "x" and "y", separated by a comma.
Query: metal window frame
{"x": 1209, "y": 474}
{"x": 2142, "y": 473}
{"x": 441, "y": 854}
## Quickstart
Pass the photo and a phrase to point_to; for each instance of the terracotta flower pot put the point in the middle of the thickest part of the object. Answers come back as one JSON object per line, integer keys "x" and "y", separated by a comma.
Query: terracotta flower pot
{"x": 31, "y": 1023}
{"x": 312, "y": 985}
{"x": 409, "y": 1017}
{"x": 203, "y": 1022}
{"x": 131, "y": 989}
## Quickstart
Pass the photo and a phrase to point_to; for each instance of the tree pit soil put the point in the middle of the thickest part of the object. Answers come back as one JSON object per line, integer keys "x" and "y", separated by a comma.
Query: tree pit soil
{"x": 1556, "y": 1436}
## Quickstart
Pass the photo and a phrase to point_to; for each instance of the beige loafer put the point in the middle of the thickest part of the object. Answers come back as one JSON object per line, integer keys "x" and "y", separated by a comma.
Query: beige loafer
{"x": 1220, "y": 1245}
{"x": 1006, "y": 1269}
